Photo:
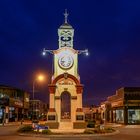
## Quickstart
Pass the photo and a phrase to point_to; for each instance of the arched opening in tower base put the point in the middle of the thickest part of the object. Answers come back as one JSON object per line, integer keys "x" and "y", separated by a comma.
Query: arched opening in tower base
{"x": 65, "y": 106}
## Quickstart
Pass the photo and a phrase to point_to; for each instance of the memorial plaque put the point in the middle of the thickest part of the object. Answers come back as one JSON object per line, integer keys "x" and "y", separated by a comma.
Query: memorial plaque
{"x": 51, "y": 117}
{"x": 79, "y": 117}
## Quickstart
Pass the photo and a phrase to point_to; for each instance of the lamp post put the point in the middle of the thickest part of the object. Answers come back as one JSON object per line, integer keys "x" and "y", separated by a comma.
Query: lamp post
{"x": 91, "y": 113}
{"x": 39, "y": 78}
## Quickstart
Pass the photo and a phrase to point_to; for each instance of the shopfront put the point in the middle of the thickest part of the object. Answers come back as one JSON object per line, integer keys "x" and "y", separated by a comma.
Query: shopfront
{"x": 4, "y": 102}
{"x": 133, "y": 116}
{"x": 125, "y": 106}
{"x": 119, "y": 116}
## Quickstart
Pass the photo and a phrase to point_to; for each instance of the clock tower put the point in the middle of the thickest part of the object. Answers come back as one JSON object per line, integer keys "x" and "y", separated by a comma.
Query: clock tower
{"x": 65, "y": 104}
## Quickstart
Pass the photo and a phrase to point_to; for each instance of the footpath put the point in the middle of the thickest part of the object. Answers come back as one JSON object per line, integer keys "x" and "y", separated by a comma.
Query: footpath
{"x": 16, "y": 123}
{"x": 114, "y": 125}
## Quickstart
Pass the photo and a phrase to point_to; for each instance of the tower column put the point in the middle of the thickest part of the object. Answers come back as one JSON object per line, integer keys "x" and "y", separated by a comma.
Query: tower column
{"x": 79, "y": 89}
{"x": 79, "y": 101}
{"x": 51, "y": 100}
{"x": 52, "y": 89}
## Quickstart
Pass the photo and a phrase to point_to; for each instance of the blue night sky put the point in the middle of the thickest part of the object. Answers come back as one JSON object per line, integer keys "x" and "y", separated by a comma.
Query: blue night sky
{"x": 110, "y": 29}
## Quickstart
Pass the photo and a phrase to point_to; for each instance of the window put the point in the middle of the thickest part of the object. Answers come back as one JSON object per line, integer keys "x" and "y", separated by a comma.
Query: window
{"x": 134, "y": 116}
{"x": 120, "y": 116}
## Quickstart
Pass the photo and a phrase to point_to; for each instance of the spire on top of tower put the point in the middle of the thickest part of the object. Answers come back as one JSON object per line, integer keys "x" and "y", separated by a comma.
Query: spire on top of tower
{"x": 66, "y": 16}
{"x": 65, "y": 25}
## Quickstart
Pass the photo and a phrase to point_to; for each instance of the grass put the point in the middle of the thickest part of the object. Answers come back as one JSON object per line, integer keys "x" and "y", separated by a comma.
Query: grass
{"x": 25, "y": 129}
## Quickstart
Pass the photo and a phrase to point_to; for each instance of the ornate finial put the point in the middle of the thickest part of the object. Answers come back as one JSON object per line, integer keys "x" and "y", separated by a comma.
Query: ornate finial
{"x": 66, "y": 16}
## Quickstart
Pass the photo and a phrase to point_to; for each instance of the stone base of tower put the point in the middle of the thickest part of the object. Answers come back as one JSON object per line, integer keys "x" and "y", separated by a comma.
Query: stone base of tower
{"x": 52, "y": 119}
{"x": 66, "y": 111}
{"x": 80, "y": 119}
{"x": 66, "y": 125}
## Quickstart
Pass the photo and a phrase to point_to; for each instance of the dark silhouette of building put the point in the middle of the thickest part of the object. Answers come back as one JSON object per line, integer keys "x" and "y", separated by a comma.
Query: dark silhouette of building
{"x": 14, "y": 104}
{"x": 38, "y": 109}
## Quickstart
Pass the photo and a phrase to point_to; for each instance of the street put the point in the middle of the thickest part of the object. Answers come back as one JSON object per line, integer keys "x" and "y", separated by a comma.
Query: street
{"x": 126, "y": 133}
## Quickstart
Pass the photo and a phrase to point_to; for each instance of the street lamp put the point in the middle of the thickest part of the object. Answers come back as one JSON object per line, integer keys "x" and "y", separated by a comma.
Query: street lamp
{"x": 91, "y": 113}
{"x": 39, "y": 78}
{"x": 86, "y": 52}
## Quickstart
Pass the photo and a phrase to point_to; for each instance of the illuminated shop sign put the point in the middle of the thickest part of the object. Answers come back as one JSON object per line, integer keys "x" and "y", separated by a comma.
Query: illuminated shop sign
{"x": 17, "y": 103}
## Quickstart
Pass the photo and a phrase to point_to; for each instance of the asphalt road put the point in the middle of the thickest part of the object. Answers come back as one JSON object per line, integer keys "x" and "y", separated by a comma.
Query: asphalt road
{"x": 9, "y": 133}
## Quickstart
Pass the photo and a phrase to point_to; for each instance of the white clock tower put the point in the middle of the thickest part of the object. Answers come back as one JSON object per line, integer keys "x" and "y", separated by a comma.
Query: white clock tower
{"x": 65, "y": 105}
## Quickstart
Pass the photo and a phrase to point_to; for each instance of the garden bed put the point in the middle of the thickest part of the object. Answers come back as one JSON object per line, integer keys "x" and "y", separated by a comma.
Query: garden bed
{"x": 28, "y": 129}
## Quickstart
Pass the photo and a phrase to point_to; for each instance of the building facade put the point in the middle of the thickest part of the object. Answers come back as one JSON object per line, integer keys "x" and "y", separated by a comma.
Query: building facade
{"x": 14, "y": 104}
{"x": 123, "y": 107}
{"x": 38, "y": 109}
{"x": 92, "y": 113}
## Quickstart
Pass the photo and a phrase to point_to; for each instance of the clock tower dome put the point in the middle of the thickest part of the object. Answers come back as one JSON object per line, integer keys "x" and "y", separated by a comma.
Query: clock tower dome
{"x": 66, "y": 33}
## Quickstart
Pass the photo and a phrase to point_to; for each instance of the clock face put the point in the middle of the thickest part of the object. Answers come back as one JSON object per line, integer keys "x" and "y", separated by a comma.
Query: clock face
{"x": 65, "y": 61}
